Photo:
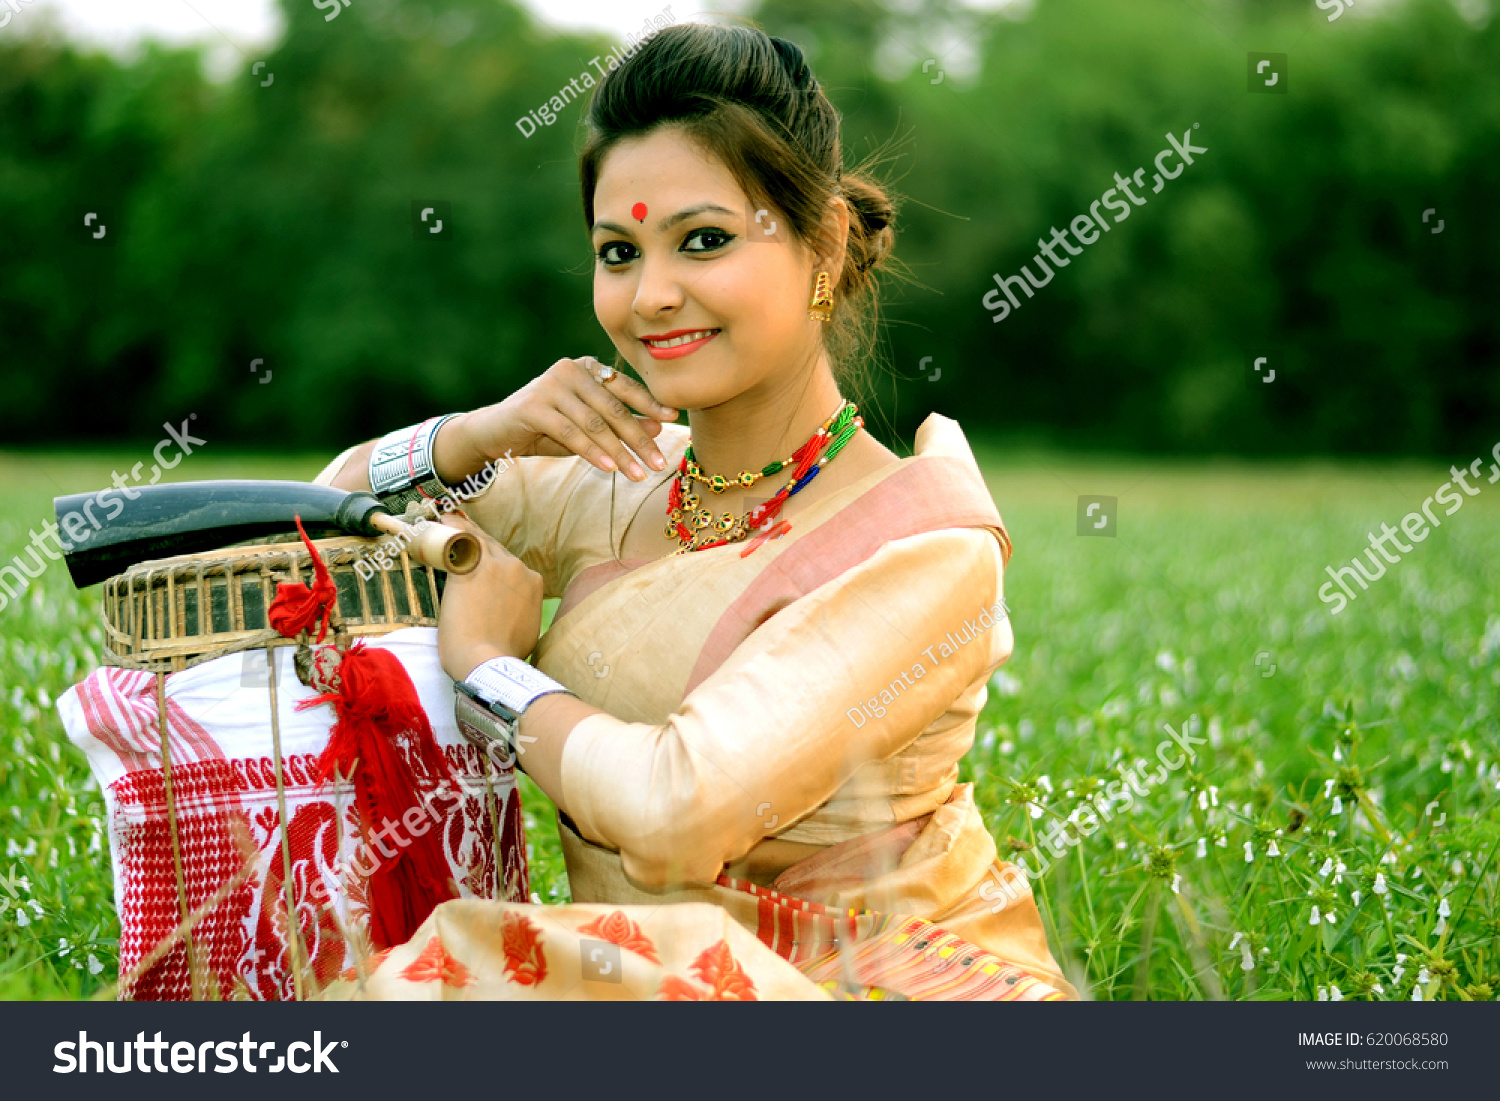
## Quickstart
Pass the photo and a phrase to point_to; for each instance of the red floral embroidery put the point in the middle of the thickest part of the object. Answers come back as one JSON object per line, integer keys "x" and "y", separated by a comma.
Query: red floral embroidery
{"x": 717, "y": 967}
{"x": 521, "y": 939}
{"x": 436, "y": 964}
{"x": 616, "y": 928}
{"x": 372, "y": 964}
{"x": 674, "y": 989}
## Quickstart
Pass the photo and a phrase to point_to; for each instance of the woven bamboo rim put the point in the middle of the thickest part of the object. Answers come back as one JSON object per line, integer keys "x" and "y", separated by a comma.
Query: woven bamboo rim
{"x": 171, "y": 614}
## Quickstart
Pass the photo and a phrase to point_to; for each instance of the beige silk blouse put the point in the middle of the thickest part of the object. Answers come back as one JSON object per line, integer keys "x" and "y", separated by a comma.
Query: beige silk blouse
{"x": 815, "y": 689}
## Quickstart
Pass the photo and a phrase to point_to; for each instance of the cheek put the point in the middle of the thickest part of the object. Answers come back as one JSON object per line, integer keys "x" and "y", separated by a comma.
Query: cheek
{"x": 611, "y": 301}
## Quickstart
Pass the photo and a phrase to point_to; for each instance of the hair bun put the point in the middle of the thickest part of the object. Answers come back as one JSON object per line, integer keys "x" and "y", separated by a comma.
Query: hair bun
{"x": 875, "y": 235}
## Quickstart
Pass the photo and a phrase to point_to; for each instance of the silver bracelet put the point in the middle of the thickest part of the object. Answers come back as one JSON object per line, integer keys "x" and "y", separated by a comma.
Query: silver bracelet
{"x": 401, "y": 466}
{"x": 490, "y": 701}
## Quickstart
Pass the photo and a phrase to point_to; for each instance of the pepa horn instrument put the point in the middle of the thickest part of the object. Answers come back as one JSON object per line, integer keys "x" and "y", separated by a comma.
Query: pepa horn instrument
{"x": 151, "y": 522}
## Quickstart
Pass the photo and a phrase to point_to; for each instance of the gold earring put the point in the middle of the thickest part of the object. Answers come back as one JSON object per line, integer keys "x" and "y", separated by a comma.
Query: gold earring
{"x": 821, "y": 306}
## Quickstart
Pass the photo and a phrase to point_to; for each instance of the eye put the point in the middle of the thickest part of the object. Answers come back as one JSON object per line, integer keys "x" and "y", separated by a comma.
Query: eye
{"x": 614, "y": 253}
{"x": 713, "y": 239}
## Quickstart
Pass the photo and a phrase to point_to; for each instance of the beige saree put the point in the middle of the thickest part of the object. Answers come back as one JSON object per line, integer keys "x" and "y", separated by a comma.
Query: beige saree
{"x": 769, "y": 804}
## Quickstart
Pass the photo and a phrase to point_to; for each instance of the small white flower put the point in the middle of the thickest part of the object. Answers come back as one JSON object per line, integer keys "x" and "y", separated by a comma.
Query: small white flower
{"x": 1330, "y": 918}
{"x": 1271, "y": 849}
{"x": 1237, "y": 938}
{"x": 1338, "y": 754}
{"x": 1036, "y": 810}
{"x": 1338, "y": 805}
{"x": 21, "y": 918}
{"x": 1322, "y": 993}
{"x": 1424, "y": 977}
{"x": 1357, "y": 896}
{"x": 1335, "y": 994}
{"x": 1397, "y": 973}
{"x": 1443, "y": 909}
{"x": 1326, "y": 868}
{"x": 1249, "y": 853}
{"x": 1338, "y": 871}
{"x": 1416, "y": 993}
{"x": 1222, "y": 841}
{"x": 1327, "y": 788}
{"x": 1378, "y": 989}
{"x": 94, "y": 965}
{"x": 36, "y": 907}
{"x": 1046, "y": 782}
{"x": 1247, "y": 959}
{"x": 1202, "y": 847}
{"x": 1177, "y": 883}
{"x": 536, "y": 899}
{"x": 1389, "y": 858}
{"x": 1315, "y": 918}
{"x": 1203, "y": 800}
{"x": 1380, "y": 887}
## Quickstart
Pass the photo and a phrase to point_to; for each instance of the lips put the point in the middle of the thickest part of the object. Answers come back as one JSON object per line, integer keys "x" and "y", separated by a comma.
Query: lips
{"x": 679, "y": 342}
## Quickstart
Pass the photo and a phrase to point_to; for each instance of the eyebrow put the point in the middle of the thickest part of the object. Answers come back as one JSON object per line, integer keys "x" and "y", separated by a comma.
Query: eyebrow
{"x": 670, "y": 221}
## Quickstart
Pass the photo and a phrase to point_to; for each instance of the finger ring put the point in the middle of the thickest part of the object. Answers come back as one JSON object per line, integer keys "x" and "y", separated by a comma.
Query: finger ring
{"x": 605, "y": 374}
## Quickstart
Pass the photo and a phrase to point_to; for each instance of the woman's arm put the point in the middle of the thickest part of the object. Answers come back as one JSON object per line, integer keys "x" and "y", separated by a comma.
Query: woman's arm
{"x": 847, "y": 675}
{"x": 563, "y": 411}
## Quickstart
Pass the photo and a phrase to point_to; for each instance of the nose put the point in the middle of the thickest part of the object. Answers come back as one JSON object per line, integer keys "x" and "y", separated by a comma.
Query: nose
{"x": 659, "y": 291}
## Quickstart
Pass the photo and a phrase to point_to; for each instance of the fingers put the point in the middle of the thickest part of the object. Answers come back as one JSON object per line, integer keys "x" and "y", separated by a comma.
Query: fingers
{"x": 590, "y": 434}
{"x": 627, "y": 390}
{"x": 635, "y": 432}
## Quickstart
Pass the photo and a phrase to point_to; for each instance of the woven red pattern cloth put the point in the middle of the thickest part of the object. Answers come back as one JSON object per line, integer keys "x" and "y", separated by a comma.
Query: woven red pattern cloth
{"x": 220, "y": 743}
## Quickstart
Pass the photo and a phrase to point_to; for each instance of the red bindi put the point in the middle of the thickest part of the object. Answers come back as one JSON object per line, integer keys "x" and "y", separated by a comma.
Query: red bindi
{"x": 638, "y": 212}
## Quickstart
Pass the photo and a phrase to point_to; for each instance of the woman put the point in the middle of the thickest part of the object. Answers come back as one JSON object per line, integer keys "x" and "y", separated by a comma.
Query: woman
{"x": 774, "y": 635}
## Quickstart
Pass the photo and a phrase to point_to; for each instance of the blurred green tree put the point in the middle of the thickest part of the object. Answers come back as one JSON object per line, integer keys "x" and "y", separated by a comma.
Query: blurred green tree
{"x": 274, "y": 223}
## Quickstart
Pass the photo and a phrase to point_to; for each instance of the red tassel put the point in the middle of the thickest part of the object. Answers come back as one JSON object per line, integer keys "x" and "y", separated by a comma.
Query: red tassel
{"x": 381, "y": 735}
{"x": 297, "y": 607}
{"x": 379, "y": 715}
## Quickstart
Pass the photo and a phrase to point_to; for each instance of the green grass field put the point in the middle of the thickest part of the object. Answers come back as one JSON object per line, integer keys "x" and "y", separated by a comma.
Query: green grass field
{"x": 1350, "y": 766}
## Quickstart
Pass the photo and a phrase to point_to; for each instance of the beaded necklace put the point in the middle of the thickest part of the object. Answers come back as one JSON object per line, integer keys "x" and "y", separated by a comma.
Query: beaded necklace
{"x": 686, "y": 518}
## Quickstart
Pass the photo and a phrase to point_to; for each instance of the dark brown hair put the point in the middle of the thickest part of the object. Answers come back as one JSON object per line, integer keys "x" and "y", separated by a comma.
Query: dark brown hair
{"x": 751, "y": 101}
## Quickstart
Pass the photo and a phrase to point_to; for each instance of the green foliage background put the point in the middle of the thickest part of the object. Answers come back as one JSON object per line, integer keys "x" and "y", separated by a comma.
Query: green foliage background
{"x": 274, "y": 223}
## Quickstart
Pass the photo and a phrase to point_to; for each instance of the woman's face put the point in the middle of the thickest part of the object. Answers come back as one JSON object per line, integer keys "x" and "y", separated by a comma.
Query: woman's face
{"x": 678, "y": 252}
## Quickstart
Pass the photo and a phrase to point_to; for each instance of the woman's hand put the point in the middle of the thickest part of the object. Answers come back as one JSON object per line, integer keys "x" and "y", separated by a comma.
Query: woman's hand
{"x": 493, "y": 611}
{"x": 566, "y": 411}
